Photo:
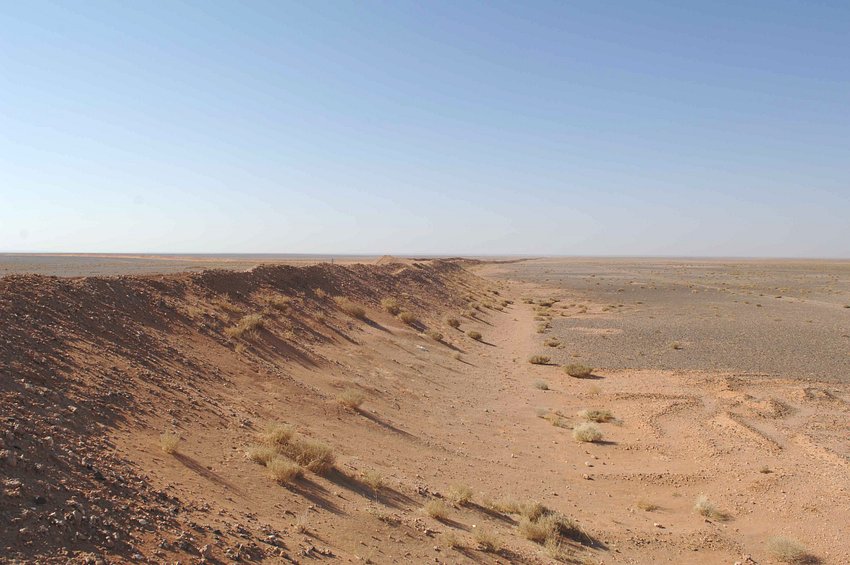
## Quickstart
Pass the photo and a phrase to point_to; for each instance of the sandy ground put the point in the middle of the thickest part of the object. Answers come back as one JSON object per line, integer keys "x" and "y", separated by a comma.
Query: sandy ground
{"x": 94, "y": 370}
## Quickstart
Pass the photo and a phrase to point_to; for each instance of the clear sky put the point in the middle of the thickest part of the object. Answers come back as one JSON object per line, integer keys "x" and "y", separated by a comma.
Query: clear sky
{"x": 577, "y": 128}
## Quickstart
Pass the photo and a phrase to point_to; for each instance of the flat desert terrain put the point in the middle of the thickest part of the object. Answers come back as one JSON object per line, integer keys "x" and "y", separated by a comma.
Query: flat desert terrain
{"x": 387, "y": 411}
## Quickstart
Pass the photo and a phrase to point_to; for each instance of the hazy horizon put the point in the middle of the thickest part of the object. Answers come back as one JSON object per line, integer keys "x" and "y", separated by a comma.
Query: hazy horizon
{"x": 644, "y": 129}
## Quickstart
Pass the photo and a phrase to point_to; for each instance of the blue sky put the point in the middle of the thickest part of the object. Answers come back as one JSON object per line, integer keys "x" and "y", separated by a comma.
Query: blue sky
{"x": 577, "y": 128}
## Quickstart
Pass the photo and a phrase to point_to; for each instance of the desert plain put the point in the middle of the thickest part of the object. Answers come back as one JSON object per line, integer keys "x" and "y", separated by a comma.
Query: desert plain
{"x": 551, "y": 410}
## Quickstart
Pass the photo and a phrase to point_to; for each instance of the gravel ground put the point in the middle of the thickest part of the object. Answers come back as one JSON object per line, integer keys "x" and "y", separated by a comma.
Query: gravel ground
{"x": 783, "y": 318}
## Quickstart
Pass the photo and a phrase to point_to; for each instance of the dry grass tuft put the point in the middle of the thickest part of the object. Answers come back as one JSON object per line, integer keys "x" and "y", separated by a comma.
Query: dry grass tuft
{"x": 503, "y": 505}
{"x": 541, "y": 385}
{"x": 552, "y": 342}
{"x": 352, "y": 309}
{"x": 247, "y": 325}
{"x": 453, "y": 323}
{"x": 647, "y": 506}
{"x": 311, "y": 454}
{"x": 408, "y": 318}
{"x": 278, "y": 435}
{"x": 578, "y": 371}
{"x": 451, "y": 540}
{"x": 283, "y": 471}
{"x": 705, "y": 507}
{"x": 474, "y": 335}
{"x": 487, "y": 541}
{"x": 169, "y": 442}
{"x": 459, "y": 495}
{"x": 532, "y": 510}
{"x": 536, "y": 531}
{"x": 351, "y": 398}
{"x": 279, "y": 302}
{"x": 597, "y": 415}
{"x": 435, "y": 335}
{"x": 261, "y": 454}
{"x": 436, "y": 509}
{"x": 374, "y": 480}
{"x": 539, "y": 360}
{"x": 320, "y": 293}
{"x": 587, "y": 432}
{"x": 391, "y": 305}
{"x": 791, "y": 551}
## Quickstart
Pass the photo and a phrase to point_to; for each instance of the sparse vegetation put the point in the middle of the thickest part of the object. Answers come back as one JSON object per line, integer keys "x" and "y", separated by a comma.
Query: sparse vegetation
{"x": 283, "y": 471}
{"x": 169, "y": 442}
{"x": 391, "y": 305}
{"x": 352, "y": 309}
{"x": 261, "y": 454}
{"x": 453, "y": 323}
{"x": 487, "y": 541}
{"x": 541, "y": 385}
{"x": 408, "y": 318}
{"x": 374, "y": 480}
{"x": 451, "y": 540}
{"x": 597, "y": 415}
{"x": 536, "y": 531}
{"x": 320, "y": 293}
{"x": 647, "y": 506}
{"x": 436, "y": 509}
{"x": 587, "y": 432}
{"x": 578, "y": 371}
{"x": 474, "y": 335}
{"x": 311, "y": 454}
{"x": 278, "y": 435}
{"x": 552, "y": 342}
{"x": 350, "y": 398}
{"x": 705, "y": 507}
{"x": 459, "y": 495}
{"x": 279, "y": 302}
{"x": 247, "y": 325}
{"x": 790, "y": 551}
{"x": 435, "y": 335}
{"x": 539, "y": 360}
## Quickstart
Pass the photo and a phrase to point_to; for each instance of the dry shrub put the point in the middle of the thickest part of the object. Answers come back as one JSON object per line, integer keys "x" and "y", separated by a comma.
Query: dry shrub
{"x": 436, "y": 509}
{"x": 532, "y": 510}
{"x": 351, "y": 398}
{"x": 435, "y": 335}
{"x": 459, "y": 495}
{"x": 279, "y": 302}
{"x": 552, "y": 342}
{"x": 541, "y": 385}
{"x": 536, "y": 531}
{"x": 791, "y": 551}
{"x": 283, "y": 471}
{"x": 391, "y": 305}
{"x": 597, "y": 415}
{"x": 278, "y": 435}
{"x": 247, "y": 325}
{"x": 705, "y": 507}
{"x": 539, "y": 360}
{"x": 453, "y": 323}
{"x": 311, "y": 454}
{"x": 578, "y": 371}
{"x": 451, "y": 540}
{"x": 261, "y": 454}
{"x": 587, "y": 432}
{"x": 349, "y": 307}
{"x": 374, "y": 480}
{"x": 228, "y": 307}
{"x": 647, "y": 506}
{"x": 408, "y": 318}
{"x": 504, "y": 505}
{"x": 474, "y": 335}
{"x": 320, "y": 293}
{"x": 487, "y": 541}
{"x": 169, "y": 442}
